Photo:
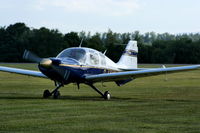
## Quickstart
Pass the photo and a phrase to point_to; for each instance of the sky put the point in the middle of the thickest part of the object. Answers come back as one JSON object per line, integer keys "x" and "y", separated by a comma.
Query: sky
{"x": 160, "y": 16}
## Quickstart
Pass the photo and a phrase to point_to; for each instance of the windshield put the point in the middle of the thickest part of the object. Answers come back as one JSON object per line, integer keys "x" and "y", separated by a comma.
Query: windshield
{"x": 74, "y": 53}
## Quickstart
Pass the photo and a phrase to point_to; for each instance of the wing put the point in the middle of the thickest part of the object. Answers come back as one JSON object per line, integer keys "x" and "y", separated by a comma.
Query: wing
{"x": 22, "y": 71}
{"x": 136, "y": 74}
{"x": 136, "y": 69}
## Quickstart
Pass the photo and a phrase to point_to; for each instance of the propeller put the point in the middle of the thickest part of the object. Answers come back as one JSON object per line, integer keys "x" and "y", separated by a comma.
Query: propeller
{"x": 46, "y": 63}
{"x": 31, "y": 57}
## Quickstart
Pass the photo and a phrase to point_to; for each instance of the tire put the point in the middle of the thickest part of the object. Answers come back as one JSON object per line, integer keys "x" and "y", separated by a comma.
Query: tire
{"x": 56, "y": 95}
{"x": 107, "y": 95}
{"x": 46, "y": 94}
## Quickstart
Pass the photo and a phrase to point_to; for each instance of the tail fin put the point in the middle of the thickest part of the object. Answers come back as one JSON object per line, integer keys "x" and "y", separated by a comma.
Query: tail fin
{"x": 128, "y": 59}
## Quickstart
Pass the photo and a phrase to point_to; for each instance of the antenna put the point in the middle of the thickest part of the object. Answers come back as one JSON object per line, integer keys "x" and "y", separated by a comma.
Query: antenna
{"x": 105, "y": 52}
{"x": 81, "y": 42}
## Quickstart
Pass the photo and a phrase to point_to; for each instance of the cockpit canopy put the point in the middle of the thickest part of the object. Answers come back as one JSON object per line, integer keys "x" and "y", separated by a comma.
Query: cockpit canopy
{"x": 74, "y": 53}
{"x": 83, "y": 56}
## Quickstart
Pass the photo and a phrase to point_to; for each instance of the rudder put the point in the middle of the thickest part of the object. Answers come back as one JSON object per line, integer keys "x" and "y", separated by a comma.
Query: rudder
{"x": 128, "y": 60}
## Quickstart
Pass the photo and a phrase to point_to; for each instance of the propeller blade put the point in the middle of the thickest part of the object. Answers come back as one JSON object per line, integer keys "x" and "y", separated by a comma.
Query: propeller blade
{"x": 31, "y": 56}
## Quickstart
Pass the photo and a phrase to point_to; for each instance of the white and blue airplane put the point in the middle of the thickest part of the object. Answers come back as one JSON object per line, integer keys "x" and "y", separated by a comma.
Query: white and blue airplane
{"x": 88, "y": 66}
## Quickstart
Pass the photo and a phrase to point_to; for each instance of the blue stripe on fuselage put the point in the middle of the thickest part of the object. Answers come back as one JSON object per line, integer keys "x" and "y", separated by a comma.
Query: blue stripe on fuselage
{"x": 130, "y": 53}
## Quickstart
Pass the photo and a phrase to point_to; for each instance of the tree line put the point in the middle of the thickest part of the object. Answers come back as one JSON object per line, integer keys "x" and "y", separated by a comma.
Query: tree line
{"x": 153, "y": 47}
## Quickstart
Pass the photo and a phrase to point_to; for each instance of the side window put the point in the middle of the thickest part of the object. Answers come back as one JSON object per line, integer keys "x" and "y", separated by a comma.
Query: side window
{"x": 103, "y": 60}
{"x": 94, "y": 58}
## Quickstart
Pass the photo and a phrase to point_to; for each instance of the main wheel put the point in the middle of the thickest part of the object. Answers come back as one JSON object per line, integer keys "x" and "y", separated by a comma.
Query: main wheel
{"x": 56, "y": 95}
{"x": 107, "y": 95}
{"x": 46, "y": 94}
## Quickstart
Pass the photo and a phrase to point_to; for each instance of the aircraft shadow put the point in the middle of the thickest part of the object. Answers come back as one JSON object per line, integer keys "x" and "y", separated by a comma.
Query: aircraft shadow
{"x": 90, "y": 98}
{"x": 66, "y": 97}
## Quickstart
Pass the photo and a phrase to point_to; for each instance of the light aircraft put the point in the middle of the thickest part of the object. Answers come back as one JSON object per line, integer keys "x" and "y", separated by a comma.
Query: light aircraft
{"x": 88, "y": 66}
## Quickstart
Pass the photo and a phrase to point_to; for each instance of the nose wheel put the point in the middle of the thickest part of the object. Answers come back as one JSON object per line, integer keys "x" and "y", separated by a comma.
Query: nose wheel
{"x": 46, "y": 94}
{"x": 55, "y": 92}
{"x": 56, "y": 95}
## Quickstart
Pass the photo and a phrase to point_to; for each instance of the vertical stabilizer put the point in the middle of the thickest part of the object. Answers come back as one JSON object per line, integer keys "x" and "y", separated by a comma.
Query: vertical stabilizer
{"x": 128, "y": 59}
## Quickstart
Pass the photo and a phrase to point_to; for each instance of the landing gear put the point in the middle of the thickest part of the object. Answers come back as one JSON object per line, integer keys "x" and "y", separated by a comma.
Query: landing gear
{"x": 56, "y": 95}
{"x": 106, "y": 94}
{"x": 55, "y": 92}
{"x": 46, "y": 94}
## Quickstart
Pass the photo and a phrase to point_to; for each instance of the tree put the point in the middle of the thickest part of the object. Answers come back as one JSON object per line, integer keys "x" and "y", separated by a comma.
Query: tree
{"x": 15, "y": 40}
{"x": 72, "y": 39}
{"x": 153, "y": 48}
{"x": 45, "y": 42}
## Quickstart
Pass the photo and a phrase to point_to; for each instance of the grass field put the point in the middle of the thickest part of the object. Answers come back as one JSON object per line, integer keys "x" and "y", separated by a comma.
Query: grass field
{"x": 146, "y": 105}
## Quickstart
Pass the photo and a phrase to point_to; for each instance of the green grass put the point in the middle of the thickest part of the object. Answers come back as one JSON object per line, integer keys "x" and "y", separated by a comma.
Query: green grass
{"x": 146, "y": 105}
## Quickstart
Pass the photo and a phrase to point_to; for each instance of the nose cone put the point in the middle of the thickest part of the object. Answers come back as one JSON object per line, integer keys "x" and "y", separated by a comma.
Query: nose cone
{"x": 46, "y": 63}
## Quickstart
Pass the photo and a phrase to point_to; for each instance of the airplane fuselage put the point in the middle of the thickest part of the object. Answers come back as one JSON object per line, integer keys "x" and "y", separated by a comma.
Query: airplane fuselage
{"x": 73, "y": 64}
